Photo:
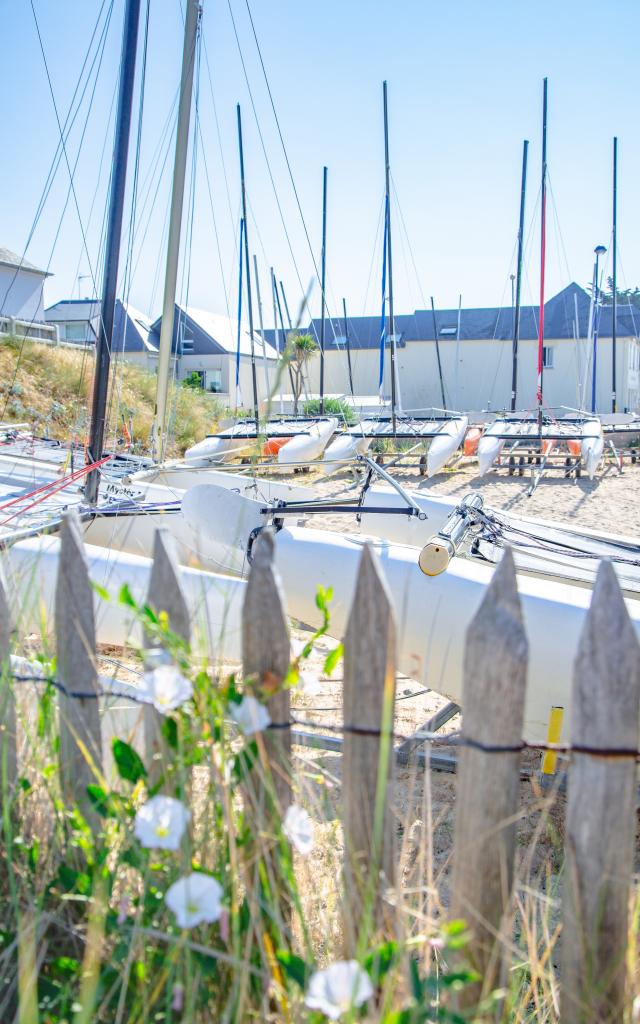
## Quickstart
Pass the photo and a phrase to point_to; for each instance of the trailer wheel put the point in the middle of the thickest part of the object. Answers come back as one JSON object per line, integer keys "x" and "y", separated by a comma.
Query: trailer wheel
{"x": 578, "y": 470}
{"x": 567, "y": 472}
{"x": 521, "y": 466}
{"x": 512, "y": 465}
{"x": 379, "y": 460}
{"x": 634, "y": 459}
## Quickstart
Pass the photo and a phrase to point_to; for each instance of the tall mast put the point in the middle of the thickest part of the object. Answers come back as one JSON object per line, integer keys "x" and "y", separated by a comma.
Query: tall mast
{"x": 435, "y": 335}
{"x": 286, "y": 306}
{"x": 278, "y": 337}
{"x": 191, "y": 23}
{"x": 114, "y": 235}
{"x": 387, "y": 190}
{"x": 323, "y": 284}
{"x": 254, "y": 379}
{"x": 347, "y": 345}
{"x": 261, "y": 322}
{"x": 543, "y": 243}
{"x": 516, "y": 316}
{"x": 614, "y": 304}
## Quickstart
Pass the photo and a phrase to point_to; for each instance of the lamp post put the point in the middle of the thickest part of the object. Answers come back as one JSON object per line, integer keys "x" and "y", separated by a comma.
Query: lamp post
{"x": 599, "y": 251}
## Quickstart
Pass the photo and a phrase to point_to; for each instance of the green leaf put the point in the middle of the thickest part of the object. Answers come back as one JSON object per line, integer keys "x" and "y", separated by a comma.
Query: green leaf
{"x": 126, "y": 597}
{"x": 102, "y": 801}
{"x": 380, "y": 960}
{"x": 294, "y": 967}
{"x": 417, "y": 988}
{"x": 332, "y": 659}
{"x": 169, "y": 730}
{"x": 102, "y": 592}
{"x": 128, "y": 762}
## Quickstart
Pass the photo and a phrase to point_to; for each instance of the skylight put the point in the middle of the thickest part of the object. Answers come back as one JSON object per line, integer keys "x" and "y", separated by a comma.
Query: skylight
{"x": 448, "y": 330}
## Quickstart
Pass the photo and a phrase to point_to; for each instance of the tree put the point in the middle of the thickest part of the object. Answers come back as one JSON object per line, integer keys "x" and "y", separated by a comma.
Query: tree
{"x": 299, "y": 350}
{"x": 626, "y": 296}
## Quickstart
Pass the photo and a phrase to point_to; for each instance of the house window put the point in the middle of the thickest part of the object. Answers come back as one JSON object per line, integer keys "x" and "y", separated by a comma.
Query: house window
{"x": 450, "y": 331}
{"x": 340, "y": 341}
{"x": 75, "y": 332}
{"x": 214, "y": 381}
{"x": 547, "y": 357}
{"x": 187, "y": 346}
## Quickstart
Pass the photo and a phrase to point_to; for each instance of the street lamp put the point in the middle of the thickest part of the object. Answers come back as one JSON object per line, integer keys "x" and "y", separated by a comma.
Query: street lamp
{"x": 599, "y": 251}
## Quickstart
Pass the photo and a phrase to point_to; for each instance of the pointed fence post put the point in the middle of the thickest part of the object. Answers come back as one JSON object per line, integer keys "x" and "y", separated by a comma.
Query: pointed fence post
{"x": 80, "y": 736}
{"x": 166, "y": 595}
{"x": 266, "y": 655}
{"x": 493, "y": 697}
{"x": 367, "y": 763}
{"x": 601, "y": 818}
{"x": 8, "y": 748}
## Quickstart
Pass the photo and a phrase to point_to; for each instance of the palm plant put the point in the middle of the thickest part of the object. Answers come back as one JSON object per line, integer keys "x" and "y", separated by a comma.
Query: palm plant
{"x": 299, "y": 350}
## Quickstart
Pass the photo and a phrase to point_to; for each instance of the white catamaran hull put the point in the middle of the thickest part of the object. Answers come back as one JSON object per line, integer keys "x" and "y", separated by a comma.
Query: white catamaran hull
{"x": 304, "y": 448}
{"x": 592, "y": 446}
{"x": 433, "y": 612}
{"x": 445, "y": 444}
{"x": 344, "y": 449}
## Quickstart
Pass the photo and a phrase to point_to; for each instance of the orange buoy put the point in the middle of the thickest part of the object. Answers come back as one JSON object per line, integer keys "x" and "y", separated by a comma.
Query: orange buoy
{"x": 471, "y": 440}
{"x": 273, "y": 445}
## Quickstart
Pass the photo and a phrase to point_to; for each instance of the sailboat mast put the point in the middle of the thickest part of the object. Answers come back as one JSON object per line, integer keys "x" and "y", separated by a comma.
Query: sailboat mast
{"x": 516, "y": 316}
{"x": 254, "y": 379}
{"x": 323, "y": 282}
{"x": 435, "y": 335}
{"x": 614, "y": 304}
{"x": 265, "y": 366}
{"x": 347, "y": 345}
{"x": 392, "y": 325}
{"x": 543, "y": 244}
{"x": 114, "y": 235}
{"x": 191, "y": 24}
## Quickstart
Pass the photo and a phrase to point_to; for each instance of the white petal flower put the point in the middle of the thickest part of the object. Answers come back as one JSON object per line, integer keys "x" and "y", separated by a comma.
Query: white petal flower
{"x": 339, "y": 988}
{"x": 167, "y": 688}
{"x": 250, "y": 715}
{"x": 298, "y": 828}
{"x": 309, "y": 685}
{"x": 161, "y": 822}
{"x": 194, "y": 899}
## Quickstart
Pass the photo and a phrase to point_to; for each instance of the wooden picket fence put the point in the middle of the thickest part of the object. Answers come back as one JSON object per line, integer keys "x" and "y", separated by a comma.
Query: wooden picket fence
{"x": 601, "y": 775}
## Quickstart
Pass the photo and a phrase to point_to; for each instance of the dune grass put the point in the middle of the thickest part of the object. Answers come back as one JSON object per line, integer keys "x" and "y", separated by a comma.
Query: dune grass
{"x": 50, "y": 388}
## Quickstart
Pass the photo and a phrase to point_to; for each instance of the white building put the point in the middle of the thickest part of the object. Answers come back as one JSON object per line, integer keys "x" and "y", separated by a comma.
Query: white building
{"x": 22, "y": 298}
{"x": 476, "y": 356}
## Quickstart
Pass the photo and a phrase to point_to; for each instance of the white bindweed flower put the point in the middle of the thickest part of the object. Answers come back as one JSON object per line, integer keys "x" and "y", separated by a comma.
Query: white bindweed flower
{"x": 167, "y": 688}
{"x": 309, "y": 685}
{"x": 250, "y": 715}
{"x": 298, "y": 828}
{"x": 339, "y": 988}
{"x": 161, "y": 822}
{"x": 194, "y": 899}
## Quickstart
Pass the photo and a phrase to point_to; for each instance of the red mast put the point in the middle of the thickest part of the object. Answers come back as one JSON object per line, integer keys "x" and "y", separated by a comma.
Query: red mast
{"x": 543, "y": 241}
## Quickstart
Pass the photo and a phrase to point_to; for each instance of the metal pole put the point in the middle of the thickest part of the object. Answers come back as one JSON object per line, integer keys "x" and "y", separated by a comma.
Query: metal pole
{"x": 279, "y": 346}
{"x": 457, "y": 374}
{"x": 191, "y": 24}
{"x": 543, "y": 241}
{"x": 284, "y": 299}
{"x": 392, "y": 324}
{"x": 595, "y": 337}
{"x": 112, "y": 254}
{"x": 254, "y": 379}
{"x": 323, "y": 284}
{"x": 286, "y": 307}
{"x": 261, "y": 321}
{"x": 435, "y": 335}
{"x": 347, "y": 345}
{"x": 614, "y": 304}
{"x": 516, "y": 317}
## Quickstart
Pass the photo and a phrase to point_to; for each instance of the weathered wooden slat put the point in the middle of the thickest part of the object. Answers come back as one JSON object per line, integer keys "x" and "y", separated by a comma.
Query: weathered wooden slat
{"x": 600, "y": 829}
{"x": 368, "y": 761}
{"x": 8, "y": 748}
{"x": 80, "y": 737}
{"x": 494, "y": 686}
{"x": 266, "y": 655}
{"x": 165, "y": 595}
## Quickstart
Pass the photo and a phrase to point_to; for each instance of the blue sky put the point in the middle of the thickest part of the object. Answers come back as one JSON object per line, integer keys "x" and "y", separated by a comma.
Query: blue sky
{"x": 465, "y": 88}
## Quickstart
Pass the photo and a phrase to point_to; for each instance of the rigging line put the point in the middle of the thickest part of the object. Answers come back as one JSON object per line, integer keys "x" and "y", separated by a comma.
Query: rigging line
{"x": 374, "y": 252}
{"x": 220, "y": 146}
{"x": 68, "y": 125}
{"x": 213, "y": 215}
{"x": 168, "y": 141}
{"x": 558, "y": 228}
{"x": 271, "y": 178}
{"x": 61, "y": 219}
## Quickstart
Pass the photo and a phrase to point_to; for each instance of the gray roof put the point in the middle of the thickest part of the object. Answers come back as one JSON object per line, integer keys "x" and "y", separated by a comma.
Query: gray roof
{"x": 131, "y": 329}
{"x": 11, "y": 259}
{"x": 480, "y": 324}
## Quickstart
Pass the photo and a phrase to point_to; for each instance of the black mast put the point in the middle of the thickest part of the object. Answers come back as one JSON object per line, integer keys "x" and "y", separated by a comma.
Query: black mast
{"x": 614, "y": 303}
{"x": 112, "y": 252}
{"x": 323, "y": 284}
{"x": 435, "y": 335}
{"x": 256, "y": 410}
{"x": 392, "y": 323}
{"x": 347, "y": 345}
{"x": 516, "y": 319}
